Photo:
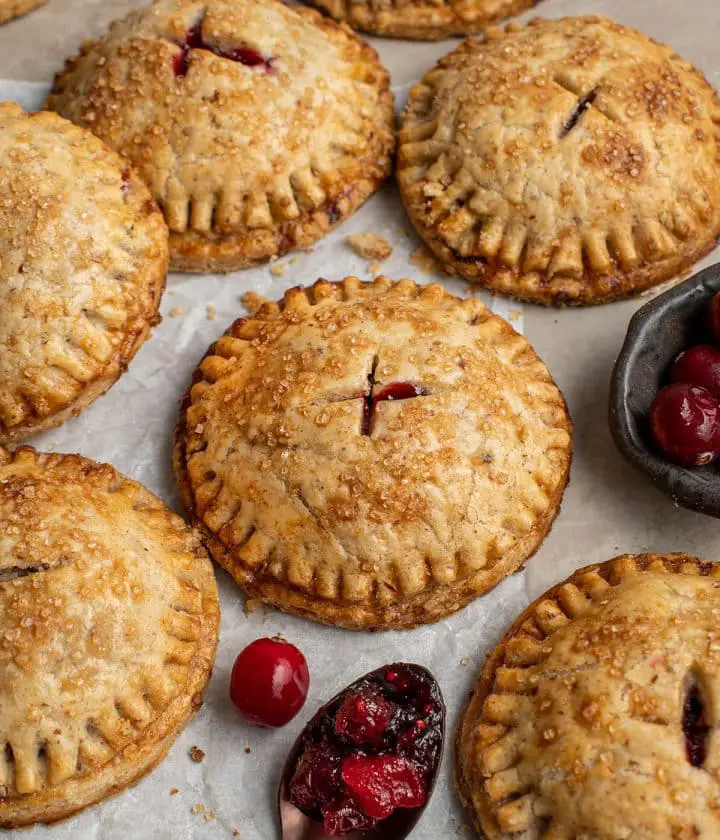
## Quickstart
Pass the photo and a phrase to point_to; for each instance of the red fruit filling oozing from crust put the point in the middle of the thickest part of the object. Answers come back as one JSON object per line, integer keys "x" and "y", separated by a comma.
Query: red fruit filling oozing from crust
{"x": 371, "y": 751}
{"x": 194, "y": 40}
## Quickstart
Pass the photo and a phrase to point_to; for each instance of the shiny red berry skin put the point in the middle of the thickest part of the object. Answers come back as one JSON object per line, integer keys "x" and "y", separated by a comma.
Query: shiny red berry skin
{"x": 685, "y": 424}
{"x": 715, "y": 317}
{"x": 269, "y": 682}
{"x": 700, "y": 365}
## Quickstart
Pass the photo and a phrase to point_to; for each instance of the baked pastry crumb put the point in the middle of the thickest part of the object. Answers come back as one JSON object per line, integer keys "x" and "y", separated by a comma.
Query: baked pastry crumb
{"x": 196, "y": 754}
{"x": 297, "y": 134}
{"x": 177, "y": 312}
{"x": 569, "y": 161}
{"x": 211, "y": 312}
{"x": 174, "y": 791}
{"x": 198, "y": 808}
{"x": 278, "y": 270}
{"x": 252, "y": 301}
{"x": 384, "y": 452}
{"x": 370, "y": 246}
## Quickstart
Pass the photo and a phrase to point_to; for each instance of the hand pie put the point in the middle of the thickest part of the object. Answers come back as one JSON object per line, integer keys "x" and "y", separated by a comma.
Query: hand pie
{"x": 10, "y": 9}
{"x": 595, "y": 717}
{"x": 83, "y": 257}
{"x": 108, "y": 627}
{"x": 372, "y": 455}
{"x": 257, "y": 126}
{"x": 427, "y": 20}
{"x": 571, "y": 161}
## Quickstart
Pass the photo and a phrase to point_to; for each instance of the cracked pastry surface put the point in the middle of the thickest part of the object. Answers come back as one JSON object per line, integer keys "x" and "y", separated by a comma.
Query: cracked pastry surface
{"x": 10, "y": 9}
{"x": 571, "y": 161}
{"x": 429, "y": 20}
{"x": 257, "y": 126}
{"x": 596, "y": 715}
{"x": 83, "y": 257}
{"x": 372, "y": 455}
{"x": 108, "y": 627}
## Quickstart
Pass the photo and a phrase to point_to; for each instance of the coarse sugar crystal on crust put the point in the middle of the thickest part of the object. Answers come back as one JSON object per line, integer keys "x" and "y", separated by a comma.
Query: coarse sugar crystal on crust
{"x": 596, "y": 715}
{"x": 372, "y": 455}
{"x": 108, "y": 627}
{"x": 425, "y": 20}
{"x": 258, "y": 126}
{"x": 83, "y": 258}
{"x": 571, "y": 161}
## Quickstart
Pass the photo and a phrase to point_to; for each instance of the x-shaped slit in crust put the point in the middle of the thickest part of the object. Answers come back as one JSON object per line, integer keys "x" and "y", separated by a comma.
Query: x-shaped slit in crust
{"x": 194, "y": 40}
{"x": 15, "y": 572}
{"x": 695, "y": 723}
{"x": 585, "y": 100}
{"x": 370, "y": 397}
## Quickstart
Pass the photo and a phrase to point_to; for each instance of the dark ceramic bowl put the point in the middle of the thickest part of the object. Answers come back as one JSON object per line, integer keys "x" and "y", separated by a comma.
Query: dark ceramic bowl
{"x": 664, "y": 327}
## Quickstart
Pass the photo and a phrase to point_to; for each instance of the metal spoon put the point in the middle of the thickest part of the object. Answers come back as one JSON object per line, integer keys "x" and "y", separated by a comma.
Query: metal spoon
{"x": 296, "y": 825}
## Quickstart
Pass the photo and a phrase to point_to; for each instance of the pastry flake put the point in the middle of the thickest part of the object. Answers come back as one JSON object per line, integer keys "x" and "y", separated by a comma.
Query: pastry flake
{"x": 108, "y": 627}
{"x": 594, "y": 716}
{"x": 83, "y": 260}
{"x": 425, "y": 20}
{"x": 372, "y": 454}
{"x": 257, "y": 126}
{"x": 570, "y": 161}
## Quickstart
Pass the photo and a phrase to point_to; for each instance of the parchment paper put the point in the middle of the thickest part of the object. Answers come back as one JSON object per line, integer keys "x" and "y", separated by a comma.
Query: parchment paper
{"x": 608, "y": 508}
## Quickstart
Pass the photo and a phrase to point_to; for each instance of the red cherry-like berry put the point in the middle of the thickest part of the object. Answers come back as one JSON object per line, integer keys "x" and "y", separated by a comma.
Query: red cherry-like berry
{"x": 684, "y": 421}
{"x": 269, "y": 682}
{"x": 700, "y": 365}
{"x": 715, "y": 317}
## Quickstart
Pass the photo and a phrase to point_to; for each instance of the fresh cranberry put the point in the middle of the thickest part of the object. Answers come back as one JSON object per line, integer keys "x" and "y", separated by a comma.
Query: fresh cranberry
{"x": 343, "y": 817}
{"x": 700, "y": 365}
{"x": 269, "y": 682}
{"x": 382, "y": 783}
{"x": 715, "y": 317}
{"x": 364, "y": 717}
{"x": 316, "y": 779}
{"x": 684, "y": 421}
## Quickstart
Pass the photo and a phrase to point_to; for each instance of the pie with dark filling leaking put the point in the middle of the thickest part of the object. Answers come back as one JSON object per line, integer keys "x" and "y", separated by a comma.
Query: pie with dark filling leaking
{"x": 83, "y": 257}
{"x": 570, "y": 161}
{"x": 108, "y": 627}
{"x": 426, "y": 20}
{"x": 372, "y": 455}
{"x": 595, "y": 717}
{"x": 257, "y": 126}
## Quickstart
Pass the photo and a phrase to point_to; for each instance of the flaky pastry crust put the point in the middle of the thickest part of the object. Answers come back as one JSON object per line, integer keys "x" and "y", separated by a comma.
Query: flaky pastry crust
{"x": 323, "y": 495}
{"x": 571, "y": 161}
{"x": 10, "y": 9}
{"x": 108, "y": 626}
{"x": 595, "y": 716}
{"x": 425, "y": 20}
{"x": 83, "y": 258}
{"x": 257, "y": 126}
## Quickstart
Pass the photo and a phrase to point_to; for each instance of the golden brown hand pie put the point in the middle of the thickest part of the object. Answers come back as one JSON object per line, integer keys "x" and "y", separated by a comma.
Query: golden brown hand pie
{"x": 428, "y": 20}
{"x": 10, "y": 9}
{"x": 257, "y": 126}
{"x": 596, "y": 717}
{"x": 83, "y": 257}
{"x": 108, "y": 626}
{"x": 372, "y": 455}
{"x": 571, "y": 161}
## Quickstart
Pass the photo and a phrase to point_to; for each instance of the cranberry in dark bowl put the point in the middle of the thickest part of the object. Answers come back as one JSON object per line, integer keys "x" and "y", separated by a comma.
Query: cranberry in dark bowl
{"x": 654, "y": 358}
{"x": 366, "y": 763}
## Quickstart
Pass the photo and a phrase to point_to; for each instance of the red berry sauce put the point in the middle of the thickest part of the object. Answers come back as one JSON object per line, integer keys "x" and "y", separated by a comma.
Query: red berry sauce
{"x": 194, "y": 40}
{"x": 269, "y": 682}
{"x": 372, "y": 753}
